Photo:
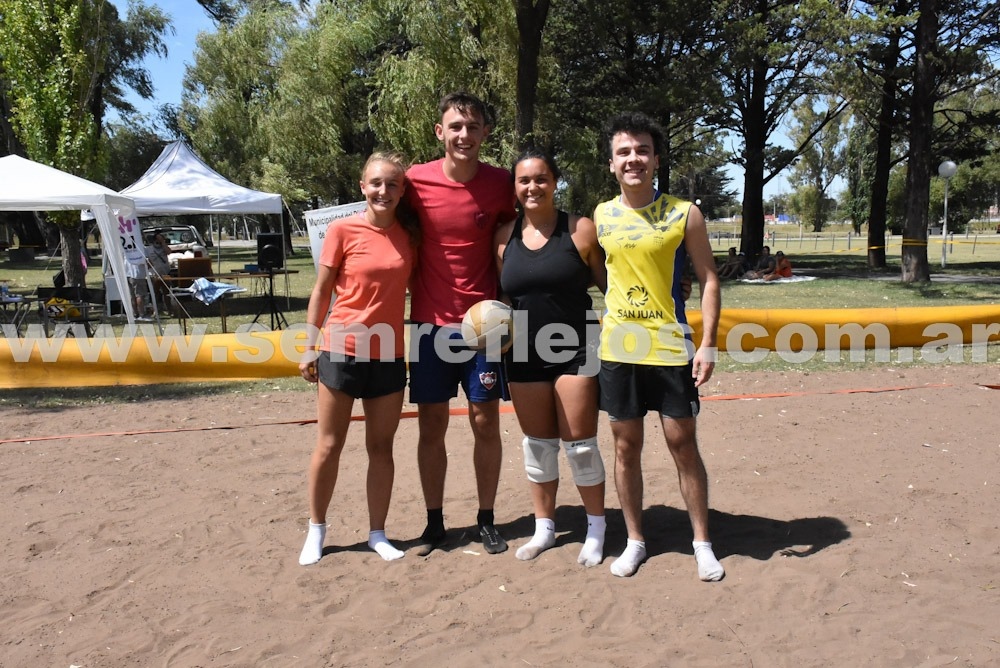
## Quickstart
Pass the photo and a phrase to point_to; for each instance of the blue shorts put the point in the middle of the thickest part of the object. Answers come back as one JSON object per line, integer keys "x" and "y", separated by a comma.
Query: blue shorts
{"x": 434, "y": 380}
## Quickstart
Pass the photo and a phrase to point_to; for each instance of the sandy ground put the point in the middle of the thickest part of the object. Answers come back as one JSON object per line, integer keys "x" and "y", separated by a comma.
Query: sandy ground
{"x": 856, "y": 528}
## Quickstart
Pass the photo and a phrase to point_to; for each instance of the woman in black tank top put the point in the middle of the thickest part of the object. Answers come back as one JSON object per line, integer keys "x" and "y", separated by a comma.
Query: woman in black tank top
{"x": 547, "y": 260}
{"x": 549, "y": 282}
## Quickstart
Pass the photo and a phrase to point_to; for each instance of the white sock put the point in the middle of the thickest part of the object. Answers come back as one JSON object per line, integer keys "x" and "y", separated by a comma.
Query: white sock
{"x": 709, "y": 568}
{"x": 544, "y": 538}
{"x": 378, "y": 542}
{"x": 593, "y": 547}
{"x": 312, "y": 551}
{"x": 626, "y": 565}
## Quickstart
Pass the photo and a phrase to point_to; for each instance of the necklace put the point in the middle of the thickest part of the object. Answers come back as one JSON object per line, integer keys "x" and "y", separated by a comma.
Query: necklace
{"x": 549, "y": 226}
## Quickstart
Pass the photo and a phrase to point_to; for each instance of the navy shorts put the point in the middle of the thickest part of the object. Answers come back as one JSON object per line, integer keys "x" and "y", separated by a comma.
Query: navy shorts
{"x": 361, "y": 380}
{"x": 628, "y": 391}
{"x": 436, "y": 371}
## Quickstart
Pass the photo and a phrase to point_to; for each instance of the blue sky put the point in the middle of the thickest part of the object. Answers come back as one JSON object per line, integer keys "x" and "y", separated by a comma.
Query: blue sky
{"x": 189, "y": 19}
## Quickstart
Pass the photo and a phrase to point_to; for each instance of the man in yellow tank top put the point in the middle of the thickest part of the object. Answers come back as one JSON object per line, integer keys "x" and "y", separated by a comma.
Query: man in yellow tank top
{"x": 648, "y": 361}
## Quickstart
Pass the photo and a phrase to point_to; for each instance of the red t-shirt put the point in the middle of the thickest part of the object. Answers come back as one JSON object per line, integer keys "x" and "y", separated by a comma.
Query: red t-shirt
{"x": 457, "y": 221}
{"x": 374, "y": 266}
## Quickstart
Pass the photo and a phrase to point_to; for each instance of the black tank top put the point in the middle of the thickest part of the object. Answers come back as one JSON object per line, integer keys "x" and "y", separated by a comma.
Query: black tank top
{"x": 549, "y": 283}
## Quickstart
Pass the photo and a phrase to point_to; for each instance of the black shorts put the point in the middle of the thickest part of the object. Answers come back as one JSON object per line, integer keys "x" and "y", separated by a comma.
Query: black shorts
{"x": 537, "y": 370}
{"x": 361, "y": 380}
{"x": 628, "y": 391}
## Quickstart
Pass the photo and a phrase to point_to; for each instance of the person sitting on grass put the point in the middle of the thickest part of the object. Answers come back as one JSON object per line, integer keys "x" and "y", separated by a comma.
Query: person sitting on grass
{"x": 732, "y": 267}
{"x": 764, "y": 266}
{"x": 782, "y": 267}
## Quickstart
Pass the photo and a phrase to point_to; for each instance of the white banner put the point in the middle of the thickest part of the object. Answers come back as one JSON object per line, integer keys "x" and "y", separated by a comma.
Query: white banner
{"x": 317, "y": 221}
{"x": 130, "y": 236}
{"x": 120, "y": 214}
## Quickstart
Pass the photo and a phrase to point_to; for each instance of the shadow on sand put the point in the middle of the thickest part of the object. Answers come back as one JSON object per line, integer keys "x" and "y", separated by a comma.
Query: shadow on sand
{"x": 668, "y": 530}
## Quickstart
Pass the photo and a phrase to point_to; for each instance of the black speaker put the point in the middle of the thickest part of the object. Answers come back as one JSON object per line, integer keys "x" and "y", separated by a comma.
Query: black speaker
{"x": 270, "y": 251}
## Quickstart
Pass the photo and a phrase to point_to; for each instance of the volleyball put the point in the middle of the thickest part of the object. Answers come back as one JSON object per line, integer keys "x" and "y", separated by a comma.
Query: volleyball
{"x": 488, "y": 324}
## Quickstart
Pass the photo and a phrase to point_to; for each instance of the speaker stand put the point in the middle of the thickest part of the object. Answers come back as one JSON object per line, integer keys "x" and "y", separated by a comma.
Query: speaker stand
{"x": 277, "y": 317}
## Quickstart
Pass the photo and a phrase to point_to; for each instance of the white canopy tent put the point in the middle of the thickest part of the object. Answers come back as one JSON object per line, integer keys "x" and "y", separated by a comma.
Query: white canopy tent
{"x": 179, "y": 183}
{"x": 30, "y": 186}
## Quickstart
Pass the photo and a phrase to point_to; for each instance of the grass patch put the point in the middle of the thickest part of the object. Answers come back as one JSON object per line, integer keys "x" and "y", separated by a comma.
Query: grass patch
{"x": 842, "y": 292}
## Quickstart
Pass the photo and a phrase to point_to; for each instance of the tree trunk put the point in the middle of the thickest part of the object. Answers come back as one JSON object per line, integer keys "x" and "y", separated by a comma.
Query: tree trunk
{"x": 530, "y": 23}
{"x": 663, "y": 172}
{"x": 72, "y": 262}
{"x": 918, "y": 173}
{"x": 879, "y": 203}
{"x": 26, "y": 229}
{"x": 755, "y": 136}
{"x": 11, "y": 146}
{"x": 48, "y": 230}
{"x": 286, "y": 229}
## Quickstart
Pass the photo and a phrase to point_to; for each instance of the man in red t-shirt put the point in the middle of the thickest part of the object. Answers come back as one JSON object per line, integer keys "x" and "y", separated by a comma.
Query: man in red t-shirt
{"x": 460, "y": 201}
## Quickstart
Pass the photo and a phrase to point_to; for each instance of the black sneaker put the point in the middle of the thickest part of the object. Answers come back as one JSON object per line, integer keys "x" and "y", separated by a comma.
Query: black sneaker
{"x": 493, "y": 542}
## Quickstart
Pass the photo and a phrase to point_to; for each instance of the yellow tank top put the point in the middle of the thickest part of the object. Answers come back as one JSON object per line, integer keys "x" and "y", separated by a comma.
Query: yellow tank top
{"x": 645, "y": 321}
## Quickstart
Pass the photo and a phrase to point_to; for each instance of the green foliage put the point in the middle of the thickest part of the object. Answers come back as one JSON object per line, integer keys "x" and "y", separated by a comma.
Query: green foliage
{"x": 232, "y": 86}
{"x": 349, "y": 77}
{"x": 600, "y": 59}
{"x": 897, "y": 200}
{"x": 807, "y": 203}
{"x": 290, "y": 96}
{"x": 126, "y": 44}
{"x": 709, "y": 184}
{"x": 859, "y": 156}
{"x": 444, "y": 47}
{"x": 318, "y": 118}
{"x": 64, "y": 63}
{"x": 48, "y": 74}
{"x": 132, "y": 147}
{"x": 776, "y": 53}
{"x": 821, "y": 161}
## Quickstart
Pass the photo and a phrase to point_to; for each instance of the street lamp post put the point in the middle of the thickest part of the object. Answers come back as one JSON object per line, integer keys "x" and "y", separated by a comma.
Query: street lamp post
{"x": 946, "y": 170}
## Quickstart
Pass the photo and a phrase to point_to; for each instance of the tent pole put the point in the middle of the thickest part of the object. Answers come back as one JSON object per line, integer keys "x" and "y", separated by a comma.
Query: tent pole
{"x": 218, "y": 249}
{"x": 152, "y": 299}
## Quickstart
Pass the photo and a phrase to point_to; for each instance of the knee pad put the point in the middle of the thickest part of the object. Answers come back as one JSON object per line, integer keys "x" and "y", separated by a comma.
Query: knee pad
{"x": 585, "y": 461}
{"x": 541, "y": 458}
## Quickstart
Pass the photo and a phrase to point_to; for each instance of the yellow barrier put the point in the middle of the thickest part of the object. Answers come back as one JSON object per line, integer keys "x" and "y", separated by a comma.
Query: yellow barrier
{"x": 786, "y": 329}
{"x": 71, "y": 362}
{"x": 62, "y": 362}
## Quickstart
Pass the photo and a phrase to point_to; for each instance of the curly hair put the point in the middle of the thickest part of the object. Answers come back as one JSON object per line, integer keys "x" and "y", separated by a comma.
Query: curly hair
{"x": 633, "y": 123}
